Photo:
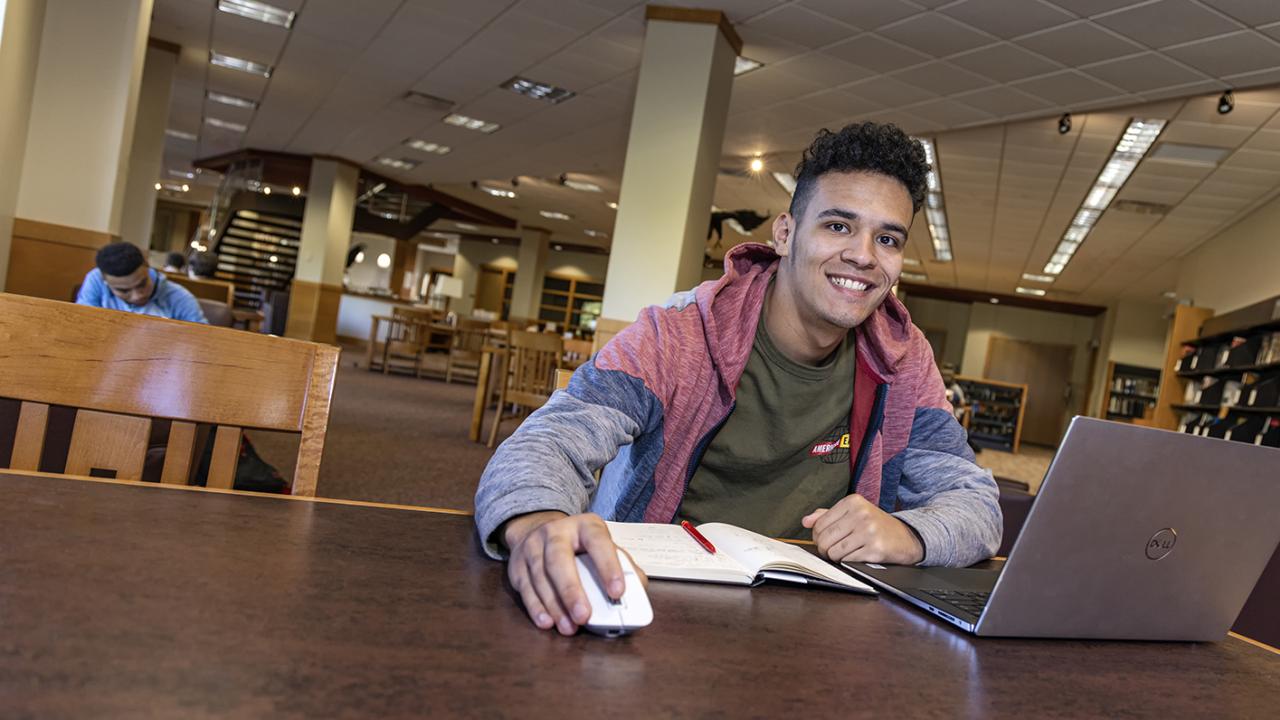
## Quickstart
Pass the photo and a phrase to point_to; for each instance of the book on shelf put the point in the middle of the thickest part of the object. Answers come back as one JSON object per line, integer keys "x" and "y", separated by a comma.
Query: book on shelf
{"x": 741, "y": 557}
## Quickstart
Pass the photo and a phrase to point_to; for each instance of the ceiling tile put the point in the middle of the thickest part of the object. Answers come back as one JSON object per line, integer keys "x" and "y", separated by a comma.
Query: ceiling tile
{"x": 1147, "y": 71}
{"x": 1265, "y": 140}
{"x": 1229, "y": 54}
{"x": 1194, "y": 133}
{"x": 865, "y": 15}
{"x": 823, "y": 69}
{"x": 1007, "y": 18}
{"x": 1167, "y": 22}
{"x": 1004, "y": 101}
{"x": 802, "y": 27}
{"x": 941, "y": 78}
{"x": 1004, "y": 62}
{"x": 876, "y": 53}
{"x": 765, "y": 47}
{"x": 935, "y": 34}
{"x": 1065, "y": 88}
{"x": 890, "y": 92}
{"x": 950, "y": 113}
{"x": 1249, "y": 12}
{"x": 1079, "y": 44}
{"x": 1086, "y": 8}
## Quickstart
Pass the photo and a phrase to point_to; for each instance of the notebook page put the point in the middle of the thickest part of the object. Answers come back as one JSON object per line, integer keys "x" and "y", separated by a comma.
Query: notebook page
{"x": 668, "y": 551}
{"x": 757, "y": 552}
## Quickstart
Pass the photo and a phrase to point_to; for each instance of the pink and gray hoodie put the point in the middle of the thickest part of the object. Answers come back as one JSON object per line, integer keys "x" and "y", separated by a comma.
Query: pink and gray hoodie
{"x": 648, "y": 404}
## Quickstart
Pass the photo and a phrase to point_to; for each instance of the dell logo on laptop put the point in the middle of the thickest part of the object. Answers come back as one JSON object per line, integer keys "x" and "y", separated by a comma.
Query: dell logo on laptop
{"x": 1161, "y": 543}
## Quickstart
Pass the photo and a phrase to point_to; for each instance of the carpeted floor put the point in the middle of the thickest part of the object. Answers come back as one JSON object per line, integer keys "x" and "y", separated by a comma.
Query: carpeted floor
{"x": 399, "y": 439}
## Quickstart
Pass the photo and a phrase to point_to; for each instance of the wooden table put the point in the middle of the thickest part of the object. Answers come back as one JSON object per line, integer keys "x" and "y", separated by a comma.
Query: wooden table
{"x": 375, "y": 325}
{"x": 493, "y": 368}
{"x": 126, "y": 601}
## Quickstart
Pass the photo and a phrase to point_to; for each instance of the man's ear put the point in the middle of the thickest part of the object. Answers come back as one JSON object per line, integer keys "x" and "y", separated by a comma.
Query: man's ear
{"x": 783, "y": 227}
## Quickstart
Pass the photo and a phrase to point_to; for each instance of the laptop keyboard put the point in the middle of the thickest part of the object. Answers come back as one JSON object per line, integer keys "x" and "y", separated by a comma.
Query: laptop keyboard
{"x": 968, "y": 600}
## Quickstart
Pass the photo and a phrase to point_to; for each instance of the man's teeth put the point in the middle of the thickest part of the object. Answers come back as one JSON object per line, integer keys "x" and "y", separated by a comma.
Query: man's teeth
{"x": 848, "y": 283}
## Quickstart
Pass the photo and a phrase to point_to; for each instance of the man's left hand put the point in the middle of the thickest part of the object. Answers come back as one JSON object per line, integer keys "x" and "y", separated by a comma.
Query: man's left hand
{"x": 854, "y": 530}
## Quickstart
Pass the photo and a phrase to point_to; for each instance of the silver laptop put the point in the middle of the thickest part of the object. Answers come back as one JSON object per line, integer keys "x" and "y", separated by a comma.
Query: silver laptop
{"x": 1136, "y": 534}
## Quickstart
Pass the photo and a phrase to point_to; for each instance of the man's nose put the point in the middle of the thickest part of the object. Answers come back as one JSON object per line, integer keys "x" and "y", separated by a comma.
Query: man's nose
{"x": 861, "y": 250}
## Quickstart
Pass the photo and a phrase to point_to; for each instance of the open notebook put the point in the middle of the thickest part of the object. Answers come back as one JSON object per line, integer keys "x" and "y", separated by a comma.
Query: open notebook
{"x": 742, "y": 557}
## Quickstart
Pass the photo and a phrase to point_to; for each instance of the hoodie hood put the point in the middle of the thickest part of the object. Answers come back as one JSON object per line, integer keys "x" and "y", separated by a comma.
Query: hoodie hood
{"x": 730, "y": 309}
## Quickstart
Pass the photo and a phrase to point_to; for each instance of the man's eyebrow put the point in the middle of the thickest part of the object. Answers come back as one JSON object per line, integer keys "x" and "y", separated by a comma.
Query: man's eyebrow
{"x": 851, "y": 215}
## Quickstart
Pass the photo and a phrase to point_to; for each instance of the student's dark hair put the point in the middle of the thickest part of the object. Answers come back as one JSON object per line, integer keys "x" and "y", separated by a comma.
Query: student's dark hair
{"x": 119, "y": 258}
{"x": 203, "y": 264}
{"x": 175, "y": 259}
{"x": 863, "y": 147}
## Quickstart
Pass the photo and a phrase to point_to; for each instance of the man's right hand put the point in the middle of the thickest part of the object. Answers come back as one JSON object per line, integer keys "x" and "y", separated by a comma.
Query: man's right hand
{"x": 543, "y": 571}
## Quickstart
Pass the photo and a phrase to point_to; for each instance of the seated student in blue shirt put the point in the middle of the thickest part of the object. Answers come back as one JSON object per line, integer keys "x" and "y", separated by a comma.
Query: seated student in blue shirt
{"x": 124, "y": 281}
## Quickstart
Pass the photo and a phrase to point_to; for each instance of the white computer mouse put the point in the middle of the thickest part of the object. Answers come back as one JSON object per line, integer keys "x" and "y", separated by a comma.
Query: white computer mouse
{"x": 609, "y": 617}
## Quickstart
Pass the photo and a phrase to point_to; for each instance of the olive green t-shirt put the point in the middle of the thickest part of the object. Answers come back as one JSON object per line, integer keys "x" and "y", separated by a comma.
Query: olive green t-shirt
{"x": 784, "y": 451}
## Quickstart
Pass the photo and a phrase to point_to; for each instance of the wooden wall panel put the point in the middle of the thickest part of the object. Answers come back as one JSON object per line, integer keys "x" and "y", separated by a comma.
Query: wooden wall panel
{"x": 313, "y": 312}
{"x": 49, "y": 261}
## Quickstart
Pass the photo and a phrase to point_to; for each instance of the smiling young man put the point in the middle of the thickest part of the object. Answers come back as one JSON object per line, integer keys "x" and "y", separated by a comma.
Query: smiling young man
{"x": 122, "y": 280}
{"x": 791, "y": 396}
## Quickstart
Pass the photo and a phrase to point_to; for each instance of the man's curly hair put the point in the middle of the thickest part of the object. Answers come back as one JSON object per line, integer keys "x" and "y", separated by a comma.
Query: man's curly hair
{"x": 863, "y": 147}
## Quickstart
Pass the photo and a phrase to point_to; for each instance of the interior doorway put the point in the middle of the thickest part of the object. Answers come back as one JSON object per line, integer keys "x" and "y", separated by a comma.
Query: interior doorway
{"x": 493, "y": 289}
{"x": 1046, "y": 371}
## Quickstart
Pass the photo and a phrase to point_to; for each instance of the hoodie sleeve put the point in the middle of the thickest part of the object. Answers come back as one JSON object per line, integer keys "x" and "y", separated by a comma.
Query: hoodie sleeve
{"x": 953, "y": 504}
{"x": 550, "y": 462}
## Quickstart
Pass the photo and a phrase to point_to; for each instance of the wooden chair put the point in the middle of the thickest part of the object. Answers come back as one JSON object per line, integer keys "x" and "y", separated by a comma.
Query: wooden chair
{"x": 407, "y": 337}
{"x": 206, "y": 288}
{"x": 576, "y": 352}
{"x": 562, "y": 378}
{"x": 121, "y": 370}
{"x": 469, "y": 337}
{"x": 530, "y": 380}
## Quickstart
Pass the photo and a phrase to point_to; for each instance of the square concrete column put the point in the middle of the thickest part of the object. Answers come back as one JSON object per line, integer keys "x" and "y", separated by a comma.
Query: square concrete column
{"x": 526, "y": 293}
{"x": 79, "y": 139}
{"x": 322, "y": 253}
{"x": 148, "y": 144}
{"x": 673, "y": 155}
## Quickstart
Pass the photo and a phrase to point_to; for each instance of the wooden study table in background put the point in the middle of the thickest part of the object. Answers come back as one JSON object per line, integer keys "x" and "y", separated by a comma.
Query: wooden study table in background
{"x": 120, "y": 600}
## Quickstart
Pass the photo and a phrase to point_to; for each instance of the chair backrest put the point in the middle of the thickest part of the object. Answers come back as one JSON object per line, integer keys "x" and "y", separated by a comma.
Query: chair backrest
{"x": 562, "y": 378}
{"x": 206, "y": 288}
{"x": 534, "y": 359}
{"x": 216, "y": 312}
{"x": 121, "y": 370}
{"x": 576, "y": 352}
{"x": 469, "y": 335}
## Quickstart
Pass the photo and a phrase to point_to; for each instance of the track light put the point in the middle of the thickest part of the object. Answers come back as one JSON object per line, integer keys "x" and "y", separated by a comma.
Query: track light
{"x": 1226, "y": 103}
{"x": 1064, "y": 124}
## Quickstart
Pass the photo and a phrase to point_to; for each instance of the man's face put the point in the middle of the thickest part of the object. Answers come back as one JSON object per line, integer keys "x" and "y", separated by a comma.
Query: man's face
{"x": 134, "y": 288}
{"x": 842, "y": 257}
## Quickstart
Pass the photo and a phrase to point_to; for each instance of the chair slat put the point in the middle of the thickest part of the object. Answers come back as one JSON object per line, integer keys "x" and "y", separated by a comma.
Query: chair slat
{"x": 179, "y": 453}
{"x": 28, "y": 443}
{"x": 108, "y": 442}
{"x": 226, "y": 454}
{"x": 315, "y": 421}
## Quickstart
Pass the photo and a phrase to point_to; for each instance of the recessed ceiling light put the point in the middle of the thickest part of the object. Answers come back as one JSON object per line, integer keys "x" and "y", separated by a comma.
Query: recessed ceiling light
{"x": 465, "y": 226}
{"x": 537, "y": 90}
{"x": 384, "y": 261}
{"x": 259, "y": 11}
{"x": 180, "y": 135}
{"x": 182, "y": 174}
{"x": 274, "y": 258}
{"x": 786, "y": 180}
{"x": 297, "y": 191}
{"x": 231, "y": 100}
{"x": 1132, "y": 146}
{"x": 555, "y": 215}
{"x": 743, "y": 65}
{"x": 495, "y": 240}
{"x": 559, "y": 247}
{"x": 225, "y": 124}
{"x": 757, "y": 164}
{"x": 911, "y": 262}
{"x": 428, "y": 147}
{"x": 498, "y": 192}
{"x": 1169, "y": 295}
{"x": 158, "y": 186}
{"x": 266, "y": 189}
{"x": 995, "y": 301}
{"x": 582, "y": 185}
{"x": 1038, "y": 278}
{"x": 235, "y": 63}
{"x": 913, "y": 277}
{"x": 935, "y": 211}
{"x": 596, "y": 233}
{"x": 397, "y": 163}
{"x": 185, "y": 187}
{"x": 611, "y": 205}
{"x": 471, "y": 123}
{"x": 1029, "y": 291}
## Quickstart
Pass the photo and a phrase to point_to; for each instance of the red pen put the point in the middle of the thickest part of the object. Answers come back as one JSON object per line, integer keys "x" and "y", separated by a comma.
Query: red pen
{"x": 705, "y": 543}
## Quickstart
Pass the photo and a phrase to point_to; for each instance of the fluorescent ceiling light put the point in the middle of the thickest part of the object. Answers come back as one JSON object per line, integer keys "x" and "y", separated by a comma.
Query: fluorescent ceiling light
{"x": 397, "y": 163}
{"x": 582, "y": 185}
{"x": 463, "y": 226}
{"x": 498, "y": 192}
{"x": 555, "y": 215}
{"x": 786, "y": 180}
{"x": 232, "y": 100}
{"x": 225, "y": 124}
{"x": 910, "y": 262}
{"x": 743, "y": 65}
{"x": 1038, "y": 278}
{"x": 1198, "y": 155}
{"x": 259, "y": 11}
{"x": 235, "y": 63}
{"x": 428, "y": 147}
{"x": 182, "y": 174}
{"x": 935, "y": 211}
{"x": 471, "y": 123}
{"x": 1130, "y": 149}
{"x": 913, "y": 277}
{"x": 537, "y": 90}
{"x": 1029, "y": 291}
{"x": 596, "y": 233}
{"x": 180, "y": 135}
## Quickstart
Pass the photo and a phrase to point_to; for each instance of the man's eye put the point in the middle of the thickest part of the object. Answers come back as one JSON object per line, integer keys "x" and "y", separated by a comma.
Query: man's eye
{"x": 837, "y": 227}
{"x": 889, "y": 240}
